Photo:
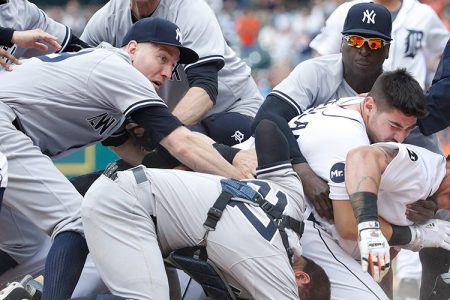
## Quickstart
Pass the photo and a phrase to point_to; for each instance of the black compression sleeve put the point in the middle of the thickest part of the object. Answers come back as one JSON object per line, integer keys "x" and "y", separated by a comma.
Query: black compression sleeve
{"x": 6, "y": 36}
{"x": 280, "y": 112}
{"x": 157, "y": 122}
{"x": 204, "y": 76}
{"x": 270, "y": 143}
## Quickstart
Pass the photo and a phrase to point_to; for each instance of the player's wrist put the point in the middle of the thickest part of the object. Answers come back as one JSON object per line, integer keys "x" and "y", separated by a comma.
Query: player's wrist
{"x": 368, "y": 225}
{"x": 364, "y": 206}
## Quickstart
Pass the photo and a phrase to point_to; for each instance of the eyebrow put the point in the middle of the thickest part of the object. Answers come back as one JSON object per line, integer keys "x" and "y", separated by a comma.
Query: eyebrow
{"x": 396, "y": 124}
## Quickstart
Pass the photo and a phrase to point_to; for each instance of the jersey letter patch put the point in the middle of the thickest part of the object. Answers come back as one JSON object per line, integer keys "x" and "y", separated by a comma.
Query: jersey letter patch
{"x": 101, "y": 122}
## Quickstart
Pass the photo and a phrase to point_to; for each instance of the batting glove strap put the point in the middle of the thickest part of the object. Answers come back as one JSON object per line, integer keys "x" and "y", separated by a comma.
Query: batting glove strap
{"x": 368, "y": 225}
{"x": 433, "y": 234}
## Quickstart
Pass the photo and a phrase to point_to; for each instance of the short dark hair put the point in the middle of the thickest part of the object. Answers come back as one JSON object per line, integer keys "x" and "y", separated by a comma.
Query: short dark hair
{"x": 399, "y": 90}
{"x": 319, "y": 288}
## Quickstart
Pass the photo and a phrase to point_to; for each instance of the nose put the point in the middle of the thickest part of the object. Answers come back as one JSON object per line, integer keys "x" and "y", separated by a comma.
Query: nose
{"x": 364, "y": 50}
{"x": 399, "y": 137}
{"x": 167, "y": 71}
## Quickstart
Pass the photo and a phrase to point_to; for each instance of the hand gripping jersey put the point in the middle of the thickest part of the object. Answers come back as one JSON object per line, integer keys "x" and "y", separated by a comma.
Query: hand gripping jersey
{"x": 201, "y": 32}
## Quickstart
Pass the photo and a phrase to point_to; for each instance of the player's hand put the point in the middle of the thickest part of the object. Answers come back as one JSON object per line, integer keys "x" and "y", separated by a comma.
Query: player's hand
{"x": 434, "y": 233}
{"x": 35, "y": 38}
{"x": 8, "y": 56}
{"x": 246, "y": 162}
{"x": 374, "y": 249}
{"x": 317, "y": 190}
{"x": 420, "y": 211}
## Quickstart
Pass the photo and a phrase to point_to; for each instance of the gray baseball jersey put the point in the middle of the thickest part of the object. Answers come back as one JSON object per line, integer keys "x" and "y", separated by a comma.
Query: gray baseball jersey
{"x": 80, "y": 97}
{"x": 245, "y": 246}
{"x": 324, "y": 81}
{"x": 23, "y": 15}
{"x": 3, "y": 172}
{"x": 237, "y": 90}
{"x": 419, "y": 37}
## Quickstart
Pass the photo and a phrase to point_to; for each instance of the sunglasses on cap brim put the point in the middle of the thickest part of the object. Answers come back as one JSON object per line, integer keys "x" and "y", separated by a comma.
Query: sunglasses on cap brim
{"x": 358, "y": 41}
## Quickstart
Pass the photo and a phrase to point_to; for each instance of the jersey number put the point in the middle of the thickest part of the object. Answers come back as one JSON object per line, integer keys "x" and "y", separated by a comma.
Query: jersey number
{"x": 60, "y": 57}
{"x": 267, "y": 232}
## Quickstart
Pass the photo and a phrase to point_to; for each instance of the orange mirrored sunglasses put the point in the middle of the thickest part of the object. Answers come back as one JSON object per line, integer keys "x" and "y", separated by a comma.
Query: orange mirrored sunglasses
{"x": 358, "y": 41}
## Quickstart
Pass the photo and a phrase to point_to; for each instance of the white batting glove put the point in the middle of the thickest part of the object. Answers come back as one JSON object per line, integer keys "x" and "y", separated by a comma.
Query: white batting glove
{"x": 374, "y": 249}
{"x": 433, "y": 234}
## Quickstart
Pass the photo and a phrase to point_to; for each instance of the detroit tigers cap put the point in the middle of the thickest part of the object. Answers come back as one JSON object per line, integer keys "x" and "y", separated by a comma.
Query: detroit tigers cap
{"x": 368, "y": 19}
{"x": 160, "y": 31}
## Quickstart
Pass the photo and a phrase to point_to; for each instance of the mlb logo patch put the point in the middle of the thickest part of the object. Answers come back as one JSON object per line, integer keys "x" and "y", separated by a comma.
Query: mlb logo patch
{"x": 337, "y": 172}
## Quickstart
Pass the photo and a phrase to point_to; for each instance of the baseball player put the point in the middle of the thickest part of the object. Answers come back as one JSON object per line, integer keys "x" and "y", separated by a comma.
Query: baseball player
{"x": 347, "y": 74}
{"x": 325, "y": 135}
{"x": 217, "y": 92}
{"x": 245, "y": 245}
{"x": 419, "y": 37}
{"x": 21, "y": 15}
{"x": 89, "y": 94}
{"x": 378, "y": 184}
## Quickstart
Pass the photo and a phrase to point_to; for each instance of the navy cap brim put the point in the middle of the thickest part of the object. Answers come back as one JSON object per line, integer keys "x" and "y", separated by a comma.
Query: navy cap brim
{"x": 366, "y": 32}
{"x": 187, "y": 56}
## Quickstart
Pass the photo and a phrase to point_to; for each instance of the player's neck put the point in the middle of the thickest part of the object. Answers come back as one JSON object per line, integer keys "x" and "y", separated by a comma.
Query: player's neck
{"x": 391, "y": 5}
{"x": 143, "y": 9}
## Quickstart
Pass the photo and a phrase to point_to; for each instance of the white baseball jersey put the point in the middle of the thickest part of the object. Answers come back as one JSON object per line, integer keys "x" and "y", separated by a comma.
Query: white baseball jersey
{"x": 23, "y": 15}
{"x": 313, "y": 82}
{"x": 325, "y": 135}
{"x": 245, "y": 245}
{"x": 415, "y": 173}
{"x": 67, "y": 101}
{"x": 201, "y": 32}
{"x": 419, "y": 37}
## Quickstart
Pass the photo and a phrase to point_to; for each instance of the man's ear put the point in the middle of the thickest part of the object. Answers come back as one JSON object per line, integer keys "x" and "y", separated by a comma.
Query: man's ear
{"x": 131, "y": 48}
{"x": 369, "y": 103}
{"x": 386, "y": 51}
{"x": 302, "y": 278}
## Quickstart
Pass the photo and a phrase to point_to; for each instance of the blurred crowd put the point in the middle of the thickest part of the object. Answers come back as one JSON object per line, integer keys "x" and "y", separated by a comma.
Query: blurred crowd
{"x": 272, "y": 36}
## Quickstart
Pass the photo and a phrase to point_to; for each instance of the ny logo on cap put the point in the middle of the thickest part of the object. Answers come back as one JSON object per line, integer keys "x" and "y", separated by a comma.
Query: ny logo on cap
{"x": 370, "y": 16}
{"x": 179, "y": 37}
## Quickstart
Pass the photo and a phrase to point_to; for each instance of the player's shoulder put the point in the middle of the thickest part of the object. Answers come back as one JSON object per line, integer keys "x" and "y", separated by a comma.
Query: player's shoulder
{"x": 324, "y": 63}
{"x": 414, "y": 6}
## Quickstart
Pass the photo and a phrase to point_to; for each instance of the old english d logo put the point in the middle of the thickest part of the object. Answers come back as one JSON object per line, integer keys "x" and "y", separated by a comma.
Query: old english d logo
{"x": 101, "y": 122}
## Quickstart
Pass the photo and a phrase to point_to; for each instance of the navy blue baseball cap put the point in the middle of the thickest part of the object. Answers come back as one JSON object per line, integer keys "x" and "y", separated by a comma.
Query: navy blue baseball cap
{"x": 160, "y": 31}
{"x": 368, "y": 19}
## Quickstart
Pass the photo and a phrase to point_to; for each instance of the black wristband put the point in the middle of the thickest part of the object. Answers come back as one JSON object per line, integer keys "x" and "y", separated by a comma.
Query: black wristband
{"x": 401, "y": 235}
{"x": 6, "y": 35}
{"x": 226, "y": 151}
{"x": 160, "y": 158}
{"x": 364, "y": 206}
